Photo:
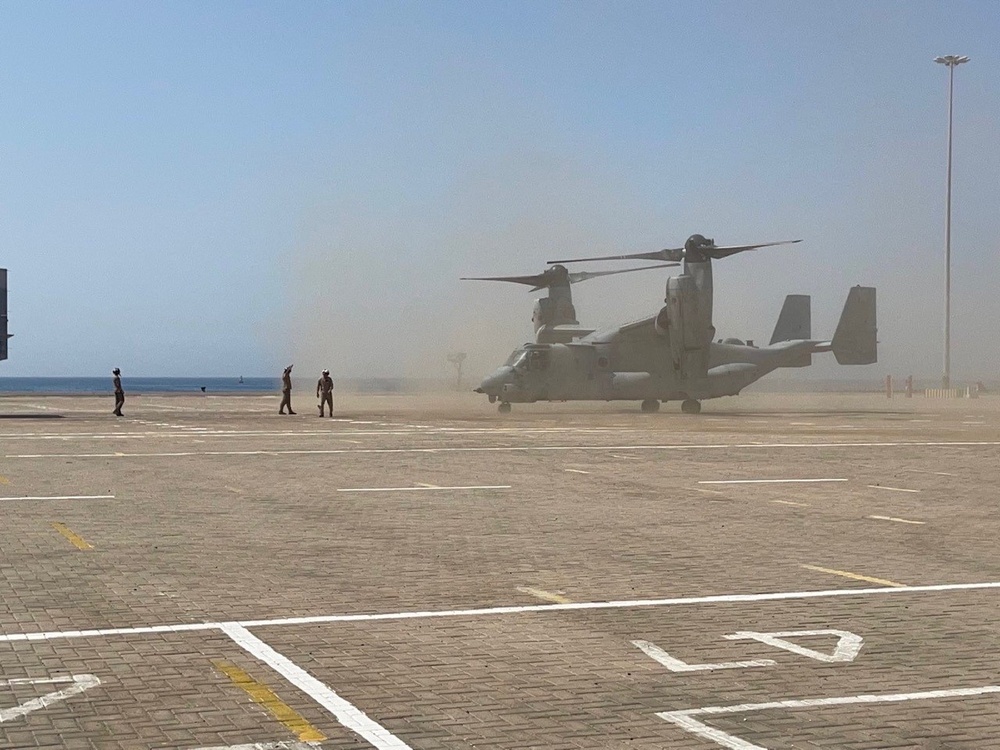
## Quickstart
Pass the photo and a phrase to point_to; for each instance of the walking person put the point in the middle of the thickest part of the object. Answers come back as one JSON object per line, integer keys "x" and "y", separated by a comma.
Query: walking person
{"x": 286, "y": 391}
{"x": 119, "y": 393}
{"x": 324, "y": 392}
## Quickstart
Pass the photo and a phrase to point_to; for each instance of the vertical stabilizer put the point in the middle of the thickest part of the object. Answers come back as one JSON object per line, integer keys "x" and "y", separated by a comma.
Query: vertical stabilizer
{"x": 795, "y": 321}
{"x": 856, "y": 339}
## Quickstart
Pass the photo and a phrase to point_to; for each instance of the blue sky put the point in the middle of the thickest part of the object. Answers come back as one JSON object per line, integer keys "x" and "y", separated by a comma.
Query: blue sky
{"x": 220, "y": 188}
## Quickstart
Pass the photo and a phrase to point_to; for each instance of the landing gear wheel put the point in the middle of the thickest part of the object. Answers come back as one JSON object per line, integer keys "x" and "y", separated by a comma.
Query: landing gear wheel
{"x": 493, "y": 398}
{"x": 650, "y": 405}
{"x": 504, "y": 407}
{"x": 690, "y": 406}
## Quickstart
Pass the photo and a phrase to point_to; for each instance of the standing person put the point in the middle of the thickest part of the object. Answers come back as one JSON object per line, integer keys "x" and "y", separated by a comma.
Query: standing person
{"x": 286, "y": 391}
{"x": 324, "y": 392}
{"x": 119, "y": 393}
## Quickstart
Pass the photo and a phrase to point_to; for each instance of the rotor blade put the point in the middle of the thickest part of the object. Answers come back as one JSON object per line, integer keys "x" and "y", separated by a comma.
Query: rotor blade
{"x": 538, "y": 278}
{"x": 724, "y": 251}
{"x": 579, "y": 276}
{"x": 671, "y": 253}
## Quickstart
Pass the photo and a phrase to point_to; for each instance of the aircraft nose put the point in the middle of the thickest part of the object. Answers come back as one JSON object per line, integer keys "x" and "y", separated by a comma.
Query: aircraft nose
{"x": 493, "y": 384}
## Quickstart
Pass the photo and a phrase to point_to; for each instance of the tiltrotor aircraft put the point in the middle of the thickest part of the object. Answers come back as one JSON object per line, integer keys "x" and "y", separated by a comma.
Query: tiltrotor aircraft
{"x": 672, "y": 355}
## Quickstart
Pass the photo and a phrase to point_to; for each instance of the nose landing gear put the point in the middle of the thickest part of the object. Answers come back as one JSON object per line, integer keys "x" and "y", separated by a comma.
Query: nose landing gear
{"x": 504, "y": 407}
{"x": 650, "y": 405}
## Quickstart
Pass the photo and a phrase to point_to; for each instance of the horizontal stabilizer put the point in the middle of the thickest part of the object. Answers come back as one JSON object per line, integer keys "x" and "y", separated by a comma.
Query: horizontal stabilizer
{"x": 856, "y": 339}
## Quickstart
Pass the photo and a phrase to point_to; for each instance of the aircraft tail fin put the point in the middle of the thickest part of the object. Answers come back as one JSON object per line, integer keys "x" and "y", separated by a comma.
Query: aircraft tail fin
{"x": 856, "y": 339}
{"x": 795, "y": 321}
{"x": 3, "y": 313}
{"x": 795, "y": 324}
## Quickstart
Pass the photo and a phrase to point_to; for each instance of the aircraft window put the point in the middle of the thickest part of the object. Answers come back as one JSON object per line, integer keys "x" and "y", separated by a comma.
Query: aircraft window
{"x": 538, "y": 360}
{"x": 522, "y": 362}
{"x": 513, "y": 357}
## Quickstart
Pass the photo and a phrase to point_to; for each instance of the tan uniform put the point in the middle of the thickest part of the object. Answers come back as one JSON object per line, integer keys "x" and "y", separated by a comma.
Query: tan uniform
{"x": 324, "y": 392}
{"x": 119, "y": 396}
{"x": 286, "y": 392}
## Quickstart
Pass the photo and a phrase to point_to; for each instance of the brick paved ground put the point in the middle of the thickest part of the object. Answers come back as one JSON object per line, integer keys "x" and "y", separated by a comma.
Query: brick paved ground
{"x": 223, "y": 511}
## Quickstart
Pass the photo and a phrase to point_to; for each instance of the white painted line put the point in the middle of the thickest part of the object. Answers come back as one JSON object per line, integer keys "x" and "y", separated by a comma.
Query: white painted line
{"x": 847, "y": 648}
{"x": 891, "y": 489}
{"x": 684, "y": 719}
{"x": 509, "y": 610}
{"x": 768, "y": 481}
{"x": 577, "y": 471}
{"x": 711, "y": 492}
{"x": 289, "y": 745}
{"x": 61, "y": 497}
{"x": 80, "y": 682}
{"x": 897, "y": 520}
{"x": 178, "y": 431}
{"x": 349, "y": 715}
{"x": 428, "y": 486}
{"x": 187, "y": 627}
{"x": 790, "y": 502}
{"x": 676, "y": 665}
{"x": 425, "y": 489}
{"x": 522, "y": 449}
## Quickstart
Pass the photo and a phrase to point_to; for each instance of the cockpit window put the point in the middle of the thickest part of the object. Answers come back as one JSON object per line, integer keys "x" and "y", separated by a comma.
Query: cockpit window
{"x": 513, "y": 357}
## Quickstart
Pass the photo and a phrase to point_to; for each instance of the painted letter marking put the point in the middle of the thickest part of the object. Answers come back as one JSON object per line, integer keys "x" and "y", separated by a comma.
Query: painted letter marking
{"x": 848, "y": 643}
{"x": 80, "y": 682}
{"x": 676, "y": 665}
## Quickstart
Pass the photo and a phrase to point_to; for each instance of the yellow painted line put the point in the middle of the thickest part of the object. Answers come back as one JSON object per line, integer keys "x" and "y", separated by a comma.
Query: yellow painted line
{"x": 789, "y": 502}
{"x": 264, "y": 696}
{"x": 855, "y": 576}
{"x": 75, "y": 539}
{"x": 897, "y": 520}
{"x": 4, "y": 480}
{"x": 545, "y": 595}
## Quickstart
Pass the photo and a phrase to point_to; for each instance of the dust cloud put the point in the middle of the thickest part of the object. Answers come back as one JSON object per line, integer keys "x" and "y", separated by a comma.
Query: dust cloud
{"x": 378, "y": 294}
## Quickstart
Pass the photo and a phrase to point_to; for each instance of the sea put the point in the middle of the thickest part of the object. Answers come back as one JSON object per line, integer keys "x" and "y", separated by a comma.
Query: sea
{"x": 230, "y": 386}
{"x": 140, "y": 385}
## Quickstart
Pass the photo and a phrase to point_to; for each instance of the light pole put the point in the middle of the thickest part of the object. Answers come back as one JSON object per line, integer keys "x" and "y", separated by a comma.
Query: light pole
{"x": 952, "y": 61}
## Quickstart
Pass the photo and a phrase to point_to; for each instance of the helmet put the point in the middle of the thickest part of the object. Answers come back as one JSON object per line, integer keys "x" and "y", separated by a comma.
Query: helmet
{"x": 116, "y": 371}
{"x": 326, "y": 372}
